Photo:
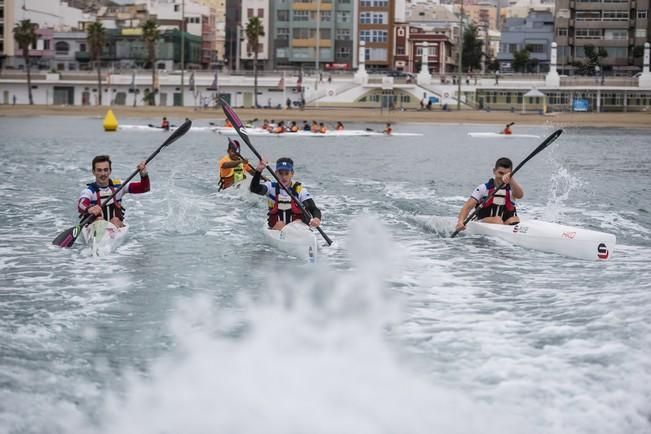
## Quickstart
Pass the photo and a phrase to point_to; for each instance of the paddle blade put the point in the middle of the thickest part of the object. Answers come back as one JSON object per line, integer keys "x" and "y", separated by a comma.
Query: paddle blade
{"x": 68, "y": 237}
{"x": 178, "y": 133}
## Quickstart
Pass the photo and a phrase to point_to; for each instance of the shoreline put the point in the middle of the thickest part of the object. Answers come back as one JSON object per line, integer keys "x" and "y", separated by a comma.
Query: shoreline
{"x": 351, "y": 115}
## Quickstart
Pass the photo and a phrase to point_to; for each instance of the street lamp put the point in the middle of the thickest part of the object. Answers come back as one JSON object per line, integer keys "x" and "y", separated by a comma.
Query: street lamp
{"x": 182, "y": 49}
{"x": 460, "y": 57}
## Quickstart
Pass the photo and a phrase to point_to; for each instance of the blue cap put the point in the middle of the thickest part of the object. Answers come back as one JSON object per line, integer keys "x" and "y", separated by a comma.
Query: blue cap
{"x": 284, "y": 165}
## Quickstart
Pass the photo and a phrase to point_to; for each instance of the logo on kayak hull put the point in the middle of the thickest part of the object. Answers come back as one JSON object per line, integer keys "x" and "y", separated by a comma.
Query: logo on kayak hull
{"x": 520, "y": 229}
{"x": 602, "y": 251}
{"x": 569, "y": 235}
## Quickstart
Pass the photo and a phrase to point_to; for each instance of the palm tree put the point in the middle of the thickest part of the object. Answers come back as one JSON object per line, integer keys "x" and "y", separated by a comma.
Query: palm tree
{"x": 25, "y": 35}
{"x": 254, "y": 29}
{"x": 96, "y": 37}
{"x": 151, "y": 35}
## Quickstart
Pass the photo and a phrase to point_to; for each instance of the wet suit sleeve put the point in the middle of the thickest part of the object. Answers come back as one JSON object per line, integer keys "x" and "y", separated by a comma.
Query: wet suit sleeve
{"x": 140, "y": 187}
{"x": 312, "y": 208}
{"x": 256, "y": 187}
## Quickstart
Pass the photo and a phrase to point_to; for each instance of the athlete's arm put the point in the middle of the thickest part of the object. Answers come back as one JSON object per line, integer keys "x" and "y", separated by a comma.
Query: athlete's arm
{"x": 465, "y": 210}
{"x": 256, "y": 187}
{"x": 140, "y": 187}
{"x": 516, "y": 189}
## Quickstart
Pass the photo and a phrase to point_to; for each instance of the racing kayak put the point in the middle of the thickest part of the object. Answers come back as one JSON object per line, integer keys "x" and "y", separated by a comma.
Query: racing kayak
{"x": 152, "y": 127}
{"x": 296, "y": 238}
{"x": 103, "y": 237}
{"x": 551, "y": 237}
{"x": 502, "y": 136}
{"x": 226, "y": 131}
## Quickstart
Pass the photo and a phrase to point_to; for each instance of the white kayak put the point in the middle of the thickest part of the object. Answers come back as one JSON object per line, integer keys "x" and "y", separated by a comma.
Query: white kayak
{"x": 103, "y": 237}
{"x": 157, "y": 128}
{"x": 502, "y": 136}
{"x": 296, "y": 238}
{"x": 225, "y": 131}
{"x": 551, "y": 237}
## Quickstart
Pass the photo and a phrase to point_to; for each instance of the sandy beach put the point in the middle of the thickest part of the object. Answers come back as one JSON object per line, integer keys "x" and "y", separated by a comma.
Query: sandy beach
{"x": 610, "y": 120}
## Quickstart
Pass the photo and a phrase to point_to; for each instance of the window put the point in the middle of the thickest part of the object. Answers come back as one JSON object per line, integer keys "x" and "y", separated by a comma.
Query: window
{"x": 375, "y": 54}
{"x": 260, "y": 13}
{"x": 46, "y": 45}
{"x": 615, "y": 15}
{"x": 282, "y": 33}
{"x": 62, "y": 47}
{"x": 343, "y": 1}
{"x": 365, "y": 35}
{"x": 282, "y": 15}
{"x": 343, "y": 52}
{"x": 562, "y": 31}
{"x": 343, "y": 17}
{"x": 536, "y": 48}
{"x": 588, "y": 15}
{"x": 587, "y": 34}
{"x": 513, "y": 48}
{"x": 400, "y": 51}
{"x": 176, "y": 8}
{"x": 365, "y": 18}
{"x": 640, "y": 33}
{"x": 615, "y": 35}
{"x": 375, "y": 3}
{"x": 301, "y": 15}
{"x": 642, "y": 14}
{"x": 301, "y": 33}
{"x": 379, "y": 17}
{"x": 343, "y": 35}
{"x": 281, "y": 52}
{"x": 249, "y": 12}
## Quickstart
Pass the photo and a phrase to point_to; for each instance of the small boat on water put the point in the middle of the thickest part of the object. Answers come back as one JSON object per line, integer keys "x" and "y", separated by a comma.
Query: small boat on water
{"x": 296, "y": 238}
{"x": 227, "y": 131}
{"x": 103, "y": 237}
{"x": 551, "y": 238}
{"x": 502, "y": 136}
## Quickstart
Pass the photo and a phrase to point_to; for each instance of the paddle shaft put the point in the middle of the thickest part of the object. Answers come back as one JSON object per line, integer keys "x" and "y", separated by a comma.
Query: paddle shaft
{"x": 548, "y": 141}
{"x": 230, "y": 114}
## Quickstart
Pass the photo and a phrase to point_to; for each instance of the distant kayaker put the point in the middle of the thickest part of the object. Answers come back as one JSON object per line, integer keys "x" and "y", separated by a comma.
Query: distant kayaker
{"x": 339, "y": 126}
{"x": 315, "y": 127}
{"x": 165, "y": 124}
{"x": 227, "y": 123}
{"x": 293, "y": 128}
{"x": 103, "y": 187}
{"x": 306, "y": 126}
{"x": 500, "y": 209}
{"x": 280, "y": 128}
{"x": 507, "y": 128}
{"x": 388, "y": 130}
{"x": 322, "y": 128}
{"x": 233, "y": 166}
{"x": 282, "y": 209}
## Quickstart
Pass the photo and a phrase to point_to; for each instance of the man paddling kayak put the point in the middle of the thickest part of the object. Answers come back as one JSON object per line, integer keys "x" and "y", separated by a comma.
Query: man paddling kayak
{"x": 507, "y": 128}
{"x": 282, "y": 209}
{"x": 104, "y": 186}
{"x": 165, "y": 124}
{"x": 232, "y": 166}
{"x": 500, "y": 209}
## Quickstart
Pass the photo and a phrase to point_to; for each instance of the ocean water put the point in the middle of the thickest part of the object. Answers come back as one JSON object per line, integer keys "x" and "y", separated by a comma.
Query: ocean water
{"x": 195, "y": 325}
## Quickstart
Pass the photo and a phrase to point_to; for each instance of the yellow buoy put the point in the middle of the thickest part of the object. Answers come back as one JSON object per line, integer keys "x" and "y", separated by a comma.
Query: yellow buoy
{"x": 110, "y": 122}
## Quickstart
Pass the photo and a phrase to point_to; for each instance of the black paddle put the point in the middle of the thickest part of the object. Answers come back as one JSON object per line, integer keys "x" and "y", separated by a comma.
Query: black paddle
{"x": 237, "y": 123}
{"x": 68, "y": 237}
{"x": 548, "y": 141}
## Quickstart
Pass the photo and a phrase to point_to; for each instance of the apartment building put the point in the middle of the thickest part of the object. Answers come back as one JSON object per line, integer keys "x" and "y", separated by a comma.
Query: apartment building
{"x": 375, "y": 20}
{"x": 618, "y": 26}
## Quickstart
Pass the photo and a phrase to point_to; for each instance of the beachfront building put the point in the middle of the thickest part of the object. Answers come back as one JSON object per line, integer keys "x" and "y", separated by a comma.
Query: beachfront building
{"x": 620, "y": 27}
{"x": 314, "y": 34}
{"x": 232, "y": 34}
{"x": 412, "y": 41}
{"x": 218, "y": 23}
{"x": 533, "y": 34}
{"x": 375, "y": 20}
{"x": 436, "y": 24}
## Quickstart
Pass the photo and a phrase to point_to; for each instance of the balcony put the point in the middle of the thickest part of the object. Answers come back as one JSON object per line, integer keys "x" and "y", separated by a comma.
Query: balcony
{"x": 312, "y": 6}
{"x": 311, "y": 42}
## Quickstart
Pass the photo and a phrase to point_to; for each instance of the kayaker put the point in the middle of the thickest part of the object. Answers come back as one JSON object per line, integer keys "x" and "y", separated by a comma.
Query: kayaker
{"x": 95, "y": 192}
{"x": 507, "y": 128}
{"x": 232, "y": 166}
{"x": 293, "y": 128}
{"x": 165, "y": 124}
{"x": 265, "y": 124}
{"x": 322, "y": 128}
{"x": 501, "y": 208}
{"x": 339, "y": 126}
{"x": 280, "y": 128}
{"x": 282, "y": 209}
{"x": 227, "y": 123}
{"x": 388, "y": 130}
{"x": 315, "y": 127}
{"x": 306, "y": 126}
